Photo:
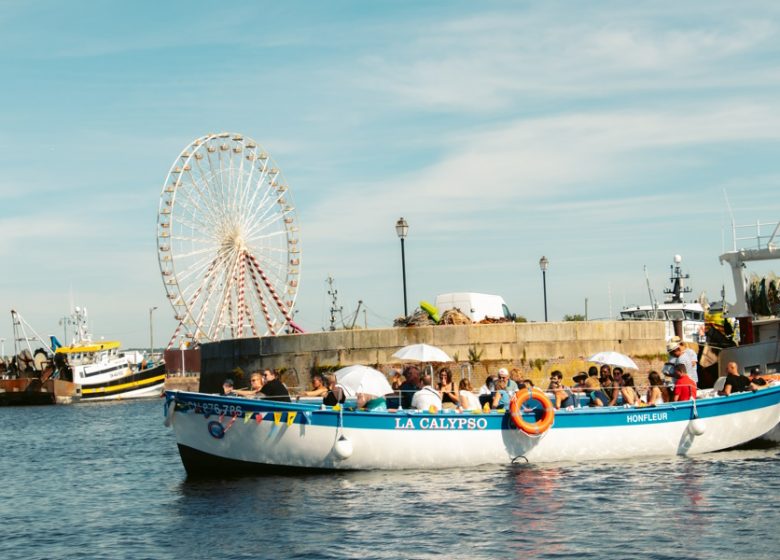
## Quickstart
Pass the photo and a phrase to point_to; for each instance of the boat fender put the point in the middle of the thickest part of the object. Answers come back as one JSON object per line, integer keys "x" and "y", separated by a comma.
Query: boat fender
{"x": 696, "y": 426}
{"x": 343, "y": 447}
{"x": 431, "y": 310}
{"x": 531, "y": 428}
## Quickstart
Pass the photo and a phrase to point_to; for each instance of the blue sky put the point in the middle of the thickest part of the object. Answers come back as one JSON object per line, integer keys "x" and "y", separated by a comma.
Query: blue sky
{"x": 602, "y": 135}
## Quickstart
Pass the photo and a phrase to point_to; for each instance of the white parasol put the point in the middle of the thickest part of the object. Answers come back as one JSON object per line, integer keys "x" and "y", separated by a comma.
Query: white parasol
{"x": 363, "y": 379}
{"x": 422, "y": 353}
{"x": 614, "y": 359}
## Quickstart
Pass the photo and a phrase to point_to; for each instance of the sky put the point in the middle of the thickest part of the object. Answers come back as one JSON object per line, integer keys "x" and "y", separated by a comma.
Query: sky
{"x": 606, "y": 136}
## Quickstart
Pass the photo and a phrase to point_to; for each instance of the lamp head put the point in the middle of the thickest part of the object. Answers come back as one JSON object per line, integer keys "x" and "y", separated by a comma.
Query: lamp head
{"x": 401, "y": 228}
{"x": 544, "y": 263}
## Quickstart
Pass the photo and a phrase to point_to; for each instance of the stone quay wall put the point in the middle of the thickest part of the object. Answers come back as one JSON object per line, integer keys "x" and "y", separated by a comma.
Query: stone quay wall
{"x": 507, "y": 344}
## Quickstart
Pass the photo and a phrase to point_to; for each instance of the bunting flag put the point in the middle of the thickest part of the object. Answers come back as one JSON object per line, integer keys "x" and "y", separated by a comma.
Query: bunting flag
{"x": 277, "y": 418}
{"x": 291, "y": 417}
{"x": 259, "y": 417}
{"x": 336, "y": 407}
{"x": 306, "y": 417}
{"x": 486, "y": 408}
{"x": 247, "y": 417}
{"x": 432, "y": 409}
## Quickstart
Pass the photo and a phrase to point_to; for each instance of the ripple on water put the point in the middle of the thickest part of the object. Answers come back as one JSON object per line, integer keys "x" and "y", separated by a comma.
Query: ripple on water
{"x": 105, "y": 481}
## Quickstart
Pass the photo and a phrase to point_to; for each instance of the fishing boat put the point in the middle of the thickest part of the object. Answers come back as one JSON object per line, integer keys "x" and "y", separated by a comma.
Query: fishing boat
{"x": 223, "y": 435}
{"x": 85, "y": 370}
{"x": 757, "y": 305}
{"x": 681, "y": 318}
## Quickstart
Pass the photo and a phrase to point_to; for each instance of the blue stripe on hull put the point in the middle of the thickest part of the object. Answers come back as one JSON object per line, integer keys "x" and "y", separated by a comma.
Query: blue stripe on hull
{"x": 218, "y": 405}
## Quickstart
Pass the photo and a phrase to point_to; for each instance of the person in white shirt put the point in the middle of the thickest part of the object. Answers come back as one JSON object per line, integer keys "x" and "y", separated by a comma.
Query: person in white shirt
{"x": 427, "y": 397}
{"x": 466, "y": 397}
{"x": 679, "y": 354}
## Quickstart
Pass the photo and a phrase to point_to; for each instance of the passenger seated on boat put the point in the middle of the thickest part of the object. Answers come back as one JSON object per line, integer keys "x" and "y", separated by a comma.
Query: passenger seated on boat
{"x": 255, "y": 385}
{"x": 396, "y": 380}
{"x": 756, "y": 379}
{"x": 579, "y": 383}
{"x": 273, "y": 389}
{"x": 427, "y": 397}
{"x": 501, "y": 396}
{"x": 410, "y": 385}
{"x": 511, "y": 385}
{"x": 737, "y": 383}
{"x": 593, "y": 389}
{"x": 657, "y": 392}
{"x": 564, "y": 398}
{"x": 335, "y": 394}
{"x": 449, "y": 396}
{"x": 684, "y": 387}
{"x": 227, "y": 387}
{"x": 610, "y": 384}
{"x": 372, "y": 403}
{"x": 485, "y": 394}
{"x": 628, "y": 390}
{"x": 466, "y": 397}
{"x": 318, "y": 387}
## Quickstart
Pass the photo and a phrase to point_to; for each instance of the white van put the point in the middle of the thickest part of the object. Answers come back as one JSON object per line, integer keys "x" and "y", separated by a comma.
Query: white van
{"x": 475, "y": 306}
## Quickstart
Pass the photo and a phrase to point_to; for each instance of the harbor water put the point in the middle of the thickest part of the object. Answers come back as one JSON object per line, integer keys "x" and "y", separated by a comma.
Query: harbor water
{"x": 105, "y": 481}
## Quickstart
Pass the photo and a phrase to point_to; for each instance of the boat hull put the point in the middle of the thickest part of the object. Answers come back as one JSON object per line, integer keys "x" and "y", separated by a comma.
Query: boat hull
{"x": 29, "y": 391}
{"x": 225, "y": 435}
{"x": 144, "y": 383}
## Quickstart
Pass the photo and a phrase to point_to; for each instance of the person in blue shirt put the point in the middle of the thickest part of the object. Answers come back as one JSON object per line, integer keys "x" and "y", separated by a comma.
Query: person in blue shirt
{"x": 501, "y": 396}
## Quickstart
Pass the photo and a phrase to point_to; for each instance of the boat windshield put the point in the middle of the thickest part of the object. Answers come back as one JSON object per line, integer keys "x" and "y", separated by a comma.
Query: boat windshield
{"x": 675, "y": 314}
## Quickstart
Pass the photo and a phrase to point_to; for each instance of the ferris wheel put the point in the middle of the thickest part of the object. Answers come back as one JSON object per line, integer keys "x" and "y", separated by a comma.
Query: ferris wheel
{"x": 227, "y": 241}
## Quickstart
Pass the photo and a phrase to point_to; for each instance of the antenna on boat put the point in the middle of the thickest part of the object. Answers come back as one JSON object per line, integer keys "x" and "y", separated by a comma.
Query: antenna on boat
{"x": 677, "y": 278}
{"x": 653, "y": 301}
{"x": 334, "y": 306}
{"x": 733, "y": 223}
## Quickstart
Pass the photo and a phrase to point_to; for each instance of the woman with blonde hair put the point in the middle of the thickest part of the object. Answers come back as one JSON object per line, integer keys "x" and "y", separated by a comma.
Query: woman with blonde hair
{"x": 466, "y": 397}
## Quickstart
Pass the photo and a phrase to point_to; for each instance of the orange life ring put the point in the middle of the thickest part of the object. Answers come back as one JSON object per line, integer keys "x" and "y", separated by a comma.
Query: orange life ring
{"x": 532, "y": 428}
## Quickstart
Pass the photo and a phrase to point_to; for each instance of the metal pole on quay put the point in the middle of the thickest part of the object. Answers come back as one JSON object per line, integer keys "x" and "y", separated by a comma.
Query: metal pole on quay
{"x": 402, "y": 228}
{"x": 543, "y": 264}
{"x": 151, "y": 334}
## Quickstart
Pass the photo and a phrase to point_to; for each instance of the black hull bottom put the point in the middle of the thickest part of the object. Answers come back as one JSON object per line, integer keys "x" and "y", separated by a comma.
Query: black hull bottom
{"x": 203, "y": 465}
{"x": 29, "y": 398}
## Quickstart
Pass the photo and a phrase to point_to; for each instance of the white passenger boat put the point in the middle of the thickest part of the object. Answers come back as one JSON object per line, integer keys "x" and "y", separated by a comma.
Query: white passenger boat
{"x": 222, "y": 435}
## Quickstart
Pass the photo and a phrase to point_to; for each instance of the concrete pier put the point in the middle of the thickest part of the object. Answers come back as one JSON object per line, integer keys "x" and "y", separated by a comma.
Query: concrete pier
{"x": 512, "y": 343}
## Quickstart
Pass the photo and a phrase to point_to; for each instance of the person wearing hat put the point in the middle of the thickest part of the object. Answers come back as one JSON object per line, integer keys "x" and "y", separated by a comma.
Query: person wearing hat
{"x": 679, "y": 354}
{"x": 511, "y": 384}
{"x": 755, "y": 377}
{"x": 579, "y": 382}
{"x": 684, "y": 386}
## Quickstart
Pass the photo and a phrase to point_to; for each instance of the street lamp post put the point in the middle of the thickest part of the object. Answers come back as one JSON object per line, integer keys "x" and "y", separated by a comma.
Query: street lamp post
{"x": 543, "y": 264}
{"x": 182, "y": 346}
{"x": 402, "y": 228}
{"x": 151, "y": 334}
